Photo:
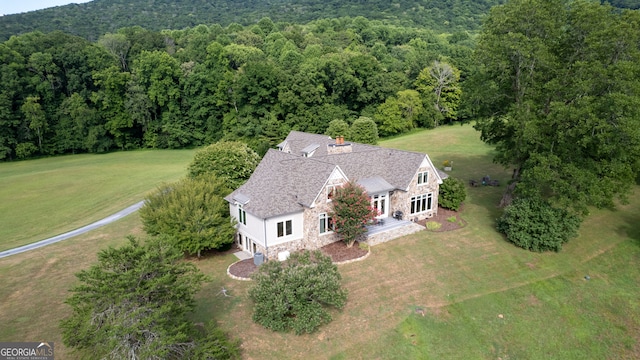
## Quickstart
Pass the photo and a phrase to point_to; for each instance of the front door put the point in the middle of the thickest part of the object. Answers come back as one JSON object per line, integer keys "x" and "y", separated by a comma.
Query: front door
{"x": 380, "y": 202}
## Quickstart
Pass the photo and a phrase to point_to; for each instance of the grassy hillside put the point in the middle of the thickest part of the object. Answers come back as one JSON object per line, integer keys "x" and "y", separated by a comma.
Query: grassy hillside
{"x": 46, "y": 197}
{"x": 90, "y": 20}
{"x": 483, "y": 297}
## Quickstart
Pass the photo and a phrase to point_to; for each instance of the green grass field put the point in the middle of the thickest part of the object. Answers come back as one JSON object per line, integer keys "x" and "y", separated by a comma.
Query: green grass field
{"x": 46, "y": 197}
{"x": 482, "y": 297}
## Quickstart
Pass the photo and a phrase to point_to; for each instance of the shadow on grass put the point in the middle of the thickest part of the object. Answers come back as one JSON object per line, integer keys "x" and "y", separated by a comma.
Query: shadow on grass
{"x": 631, "y": 228}
{"x": 467, "y": 168}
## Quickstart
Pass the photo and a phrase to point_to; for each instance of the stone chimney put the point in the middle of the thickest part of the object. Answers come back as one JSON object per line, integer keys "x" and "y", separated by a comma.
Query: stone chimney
{"x": 340, "y": 147}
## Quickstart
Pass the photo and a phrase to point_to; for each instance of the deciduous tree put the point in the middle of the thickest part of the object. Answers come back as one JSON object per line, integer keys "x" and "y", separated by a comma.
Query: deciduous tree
{"x": 364, "y": 130}
{"x": 440, "y": 88}
{"x": 558, "y": 93}
{"x": 192, "y": 212}
{"x": 231, "y": 161}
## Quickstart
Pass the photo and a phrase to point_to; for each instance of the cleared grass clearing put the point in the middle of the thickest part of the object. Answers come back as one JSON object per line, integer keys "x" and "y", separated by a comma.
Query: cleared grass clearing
{"x": 462, "y": 279}
{"x": 46, "y": 197}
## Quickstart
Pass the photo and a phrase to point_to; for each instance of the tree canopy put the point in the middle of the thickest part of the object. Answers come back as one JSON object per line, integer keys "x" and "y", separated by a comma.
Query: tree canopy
{"x": 134, "y": 304}
{"x": 139, "y": 88}
{"x": 558, "y": 93}
{"x": 191, "y": 213}
{"x": 93, "y": 19}
{"x": 231, "y": 161}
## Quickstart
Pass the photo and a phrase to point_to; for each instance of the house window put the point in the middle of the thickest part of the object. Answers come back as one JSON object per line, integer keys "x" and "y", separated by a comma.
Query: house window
{"x": 331, "y": 191}
{"x": 242, "y": 215}
{"x": 326, "y": 224}
{"x": 285, "y": 228}
{"x": 421, "y": 203}
{"x": 423, "y": 178}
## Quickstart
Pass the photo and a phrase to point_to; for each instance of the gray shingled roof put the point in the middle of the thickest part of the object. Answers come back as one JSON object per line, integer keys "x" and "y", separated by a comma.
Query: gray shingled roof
{"x": 375, "y": 185}
{"x": 397, "y": 167}
{"x": 282, "y": 184}
{"x": 298, "y": 141}
{"x": 285, "y": 183}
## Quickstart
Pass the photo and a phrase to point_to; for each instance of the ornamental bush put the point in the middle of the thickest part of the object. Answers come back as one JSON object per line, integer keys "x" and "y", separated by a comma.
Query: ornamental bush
{"x": 351, "y": 212}
{"x": 452, "y": 193}
{"x": 295, "y": 294}
{"x": 535, "y": 225}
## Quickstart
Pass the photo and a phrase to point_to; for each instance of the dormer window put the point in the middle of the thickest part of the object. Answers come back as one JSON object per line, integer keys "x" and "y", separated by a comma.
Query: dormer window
{"x": 309, "y": 150}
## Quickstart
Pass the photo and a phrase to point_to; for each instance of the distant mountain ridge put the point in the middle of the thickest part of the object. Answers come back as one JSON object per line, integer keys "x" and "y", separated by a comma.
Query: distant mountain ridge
{"x": 93, "y": 19}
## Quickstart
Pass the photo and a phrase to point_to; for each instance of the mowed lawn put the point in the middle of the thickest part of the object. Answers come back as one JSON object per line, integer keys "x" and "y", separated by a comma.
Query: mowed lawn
{"x": 46, "y": 197}
{"x": 481, "y": 297}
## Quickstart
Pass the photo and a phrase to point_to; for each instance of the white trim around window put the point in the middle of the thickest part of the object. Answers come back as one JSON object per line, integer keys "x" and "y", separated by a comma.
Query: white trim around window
{"x": 423, "y": 178}
{"x": 421, "y": 203}
{"x": 284, "y": 228}
{"x": 325, "y": 223}
{"x": 242, "y": 215}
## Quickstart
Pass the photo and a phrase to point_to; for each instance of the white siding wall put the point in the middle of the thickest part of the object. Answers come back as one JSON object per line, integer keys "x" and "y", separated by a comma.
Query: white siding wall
{"x": 254, "y": 228}
{"x": 297, "y": 221}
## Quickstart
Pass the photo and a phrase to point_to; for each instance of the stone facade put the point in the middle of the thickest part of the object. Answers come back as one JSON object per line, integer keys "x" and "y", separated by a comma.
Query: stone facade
{"x": 401, "y": 200}
{"x": 339, "y": 148}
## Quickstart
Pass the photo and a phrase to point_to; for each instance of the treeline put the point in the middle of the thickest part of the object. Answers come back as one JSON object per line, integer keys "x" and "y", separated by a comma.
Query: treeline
{"x": 139, "y": 88}
{"x": 91, "y": 20}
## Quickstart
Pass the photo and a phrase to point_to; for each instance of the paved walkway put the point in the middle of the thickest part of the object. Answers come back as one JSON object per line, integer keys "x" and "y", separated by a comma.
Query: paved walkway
{"x": 52, "y": 240}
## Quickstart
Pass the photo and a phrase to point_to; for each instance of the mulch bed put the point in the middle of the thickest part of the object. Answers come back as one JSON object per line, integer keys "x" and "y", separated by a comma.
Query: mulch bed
{"x": 338, "y": 252}
{"x": 243, "y": 269}
{"x": 443, "y": 219}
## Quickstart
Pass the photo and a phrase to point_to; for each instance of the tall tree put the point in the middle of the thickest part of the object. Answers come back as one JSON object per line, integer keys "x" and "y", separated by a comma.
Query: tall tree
{"x": 558, "y": 93}
{"x": 35, "y": 117}
{"x": 440, "y": 88}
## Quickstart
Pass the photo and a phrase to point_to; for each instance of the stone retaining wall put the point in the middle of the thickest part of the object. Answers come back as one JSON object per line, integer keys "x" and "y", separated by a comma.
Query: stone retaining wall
{"x": 394, "y": 233}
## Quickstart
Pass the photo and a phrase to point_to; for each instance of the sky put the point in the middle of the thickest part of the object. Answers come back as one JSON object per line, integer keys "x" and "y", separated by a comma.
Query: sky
{"x": 18, "y": 6}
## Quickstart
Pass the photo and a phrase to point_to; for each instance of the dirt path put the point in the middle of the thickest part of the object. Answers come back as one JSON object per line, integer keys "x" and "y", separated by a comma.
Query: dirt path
{"x": 52, "y": 240}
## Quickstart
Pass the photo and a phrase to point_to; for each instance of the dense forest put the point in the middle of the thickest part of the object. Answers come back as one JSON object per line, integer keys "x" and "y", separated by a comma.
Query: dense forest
{"x": 137, "y": 87}
{"x": 177, "y": 88}
{"x": 91, "y": 20}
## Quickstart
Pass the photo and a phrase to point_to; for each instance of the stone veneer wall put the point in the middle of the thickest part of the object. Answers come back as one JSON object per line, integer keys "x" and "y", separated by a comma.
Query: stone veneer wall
{"x": 401, "y": 200}
{"x": 379, "y": 238}
{"x": 339, "y": 148}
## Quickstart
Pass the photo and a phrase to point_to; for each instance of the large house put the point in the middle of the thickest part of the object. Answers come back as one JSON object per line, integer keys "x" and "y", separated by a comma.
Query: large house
{"x": 285, "y": 204}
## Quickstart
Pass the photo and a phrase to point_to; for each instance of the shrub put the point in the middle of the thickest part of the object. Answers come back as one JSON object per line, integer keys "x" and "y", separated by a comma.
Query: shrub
{"x": 433, "y": 225}
{"x": 535, "y": 225}
{"x": 452, "y": 194}
{"x": 294, "y": 295}
{"x": 351, "y": 212}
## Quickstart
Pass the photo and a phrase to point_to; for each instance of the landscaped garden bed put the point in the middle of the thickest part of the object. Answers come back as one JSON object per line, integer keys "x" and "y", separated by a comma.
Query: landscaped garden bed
{"x": 338, "y": 252}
